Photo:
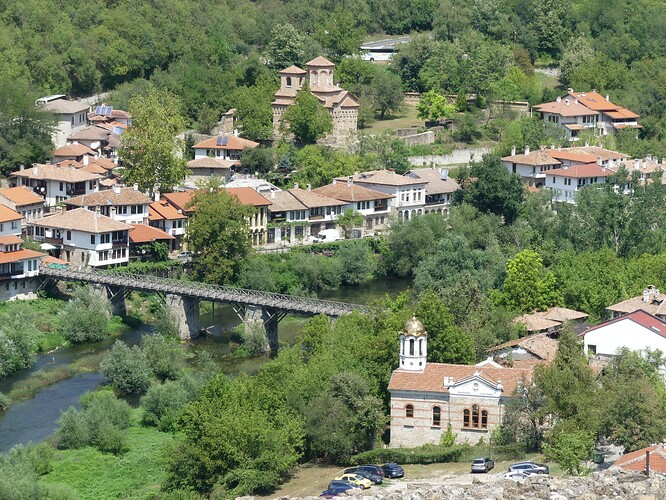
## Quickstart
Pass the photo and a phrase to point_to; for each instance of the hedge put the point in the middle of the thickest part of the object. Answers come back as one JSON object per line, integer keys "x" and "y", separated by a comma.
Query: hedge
{"x": 408, "y": 456}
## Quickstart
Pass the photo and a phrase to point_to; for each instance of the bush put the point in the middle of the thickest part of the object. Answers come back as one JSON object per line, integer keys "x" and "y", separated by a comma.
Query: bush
{"x": 72, "y": 432}
{"x": 39, "y": 456}
{"x": 126, "y": 368}
{"x": 5, "y": 401}
{"x": 86, "y": 316}
{"x": 448, "y": 439}
{"x": 162, "y": 403}
{"x": 253, "y": 338}
{"x": 164, "y": 356}
{"x": 409, "y": 456}
{"x": 166, "y": 323}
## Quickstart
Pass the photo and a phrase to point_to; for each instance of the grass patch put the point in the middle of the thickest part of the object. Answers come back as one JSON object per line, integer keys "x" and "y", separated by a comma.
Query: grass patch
{"x": 28, "y": 388}
{"x": 136, "y": 474}
{"x": 407, "y": 118}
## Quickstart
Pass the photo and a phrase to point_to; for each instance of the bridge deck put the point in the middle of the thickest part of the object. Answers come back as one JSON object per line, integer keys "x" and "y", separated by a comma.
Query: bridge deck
{"x": 204, "y": 291}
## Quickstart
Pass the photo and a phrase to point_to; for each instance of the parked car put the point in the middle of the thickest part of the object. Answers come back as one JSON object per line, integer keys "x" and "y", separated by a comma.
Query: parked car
{"x": 327, "y": 235}
{"x": 515, "y": 475}
{"x": 482, "y": 464}
{"x": 328, "y": 494}
{"x": 341, "y": 486}
{"x": 377, "y": 469}
{"x": 355, "y": 479}
{"x": 393, "y": 470}
{"x": 530, "y": 468}
{"x": 367, "y": 472}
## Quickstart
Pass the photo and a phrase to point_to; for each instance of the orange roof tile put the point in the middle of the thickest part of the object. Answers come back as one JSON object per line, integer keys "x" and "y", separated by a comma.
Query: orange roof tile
{"x": 561, "y": 108}
{"x": 73, "y": 150}
{"x": 48, "y": 259}
{"x": 635, "y": 461}
{"x": 593, "y": 100}
{"x": 580, "y": 171}
{"x": 293, "y": 70}
{"x": 319, "y": 61}
{"x": 432, "y": 377}
{"x": 163, "y": 210}
{"x": 180, "y": 199}
{"x": 141, "y": 233}
{"x": 248, "y": 196}
{"x": 7, "y": 214}
{"x": 343, "y": 191}
{"x": 23, "y": 254}
{"x": 21, "y": 196}
{"x": 232, "y": 142}
{"x": 572, "y": 156}
{"x": 538, "y": 157}
{"x": 10, "y": 240}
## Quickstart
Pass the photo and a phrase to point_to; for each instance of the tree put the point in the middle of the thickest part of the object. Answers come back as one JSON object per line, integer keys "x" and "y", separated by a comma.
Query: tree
{"x": 217, "y": 233}
{"x": 164, "y": 356}
{"x": 307, "y": 118}
{"x": 577, "y": 52}
{"x": 386, "y": 92}
{"x": 86, "y": 315}
{"x": 286, "y": 47}
{"x": 528, "y": 286}
{"x": 25, "y": 130}
{"x": 149, "y": 148}
{"x": 253, "y": 108}
{"x": 126, "y": 368}
{"x": 410, "y": 58}
{"x": 349, "y": 219}
{"x": 446, "y": 342}
{"x": 259, "y": 159}
{"x": 432, "y": 106}
{"x": 569, "y": 449}
{"x": 357, "y": 261}
{"x": 383, "y": 151}
{"x": 494, "y": 189}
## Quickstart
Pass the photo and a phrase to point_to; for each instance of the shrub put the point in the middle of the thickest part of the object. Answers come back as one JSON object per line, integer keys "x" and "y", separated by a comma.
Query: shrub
{"x": 166, "y": 324}
{"x": 126, "y": 368}
{"x": 164, "y": 356}
{"x": 86, "y": 315}
{"x": 163, "y": 402}
{"x": 253, "y": 338}
{"x": 110, "y": 439}
{"x": 448, "y": 438}
{"x": 408, "y": 456}
{"x": 5, "y": 401}
{"x": 39, "y": 456}
{"x": 72, "y": 431}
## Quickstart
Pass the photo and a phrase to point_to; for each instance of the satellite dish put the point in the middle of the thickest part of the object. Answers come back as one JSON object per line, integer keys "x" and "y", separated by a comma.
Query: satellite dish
{"x": 94, "y": 145}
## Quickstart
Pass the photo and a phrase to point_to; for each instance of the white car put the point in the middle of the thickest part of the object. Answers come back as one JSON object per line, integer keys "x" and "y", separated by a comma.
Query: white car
{"x": 515, "y": 475}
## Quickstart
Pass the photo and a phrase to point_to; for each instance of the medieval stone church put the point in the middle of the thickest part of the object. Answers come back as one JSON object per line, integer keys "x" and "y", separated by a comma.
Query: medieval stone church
{"x": 428, "y": 397}
{"x": 341, "y": 105}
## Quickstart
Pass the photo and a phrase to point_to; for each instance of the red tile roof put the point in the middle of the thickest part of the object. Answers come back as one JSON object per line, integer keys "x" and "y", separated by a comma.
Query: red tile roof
{"x": 23, "y": 254}
{"x": 21, "y": 196}
{"x": 635, "y": 461}
{"x": 646, "y": 320}
{"x": 319, "y": 61}
{"x": 73, "y": 150}
{"x": 141, "y": 233}
{"x": 343, "y": 191}
{"x": 580, "y": 171}
{"x": 163, "y": 210}
{"x": 48, "y": 259}
{"x": 180, "y": 199}
{"x": 572, "y": 156}
{"x": 10, "y": 240}
{"x": 7, "y": 214}
{"x": 233, "y": 142}
{"x": 248, "y": 196}
{"x": 432, "y": 377}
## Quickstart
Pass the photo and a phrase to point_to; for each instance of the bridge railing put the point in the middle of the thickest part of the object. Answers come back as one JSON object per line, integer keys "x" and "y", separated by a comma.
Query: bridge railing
{"x": 207, "y": 291}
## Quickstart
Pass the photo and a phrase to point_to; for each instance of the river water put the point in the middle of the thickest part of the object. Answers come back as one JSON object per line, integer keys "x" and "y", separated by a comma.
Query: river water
{"x": 35, "y": 419}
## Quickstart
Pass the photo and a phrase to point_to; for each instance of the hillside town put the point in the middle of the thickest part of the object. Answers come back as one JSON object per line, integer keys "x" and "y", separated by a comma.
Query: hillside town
{"x": 277, "y": 249}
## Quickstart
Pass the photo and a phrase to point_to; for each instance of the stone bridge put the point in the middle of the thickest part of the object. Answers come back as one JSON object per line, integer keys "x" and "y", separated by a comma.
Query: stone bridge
{"x": 257, "y": 309}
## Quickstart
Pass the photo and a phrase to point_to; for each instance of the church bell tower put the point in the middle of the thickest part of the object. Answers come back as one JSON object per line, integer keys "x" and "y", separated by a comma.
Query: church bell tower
{"x": 413, "y": 346}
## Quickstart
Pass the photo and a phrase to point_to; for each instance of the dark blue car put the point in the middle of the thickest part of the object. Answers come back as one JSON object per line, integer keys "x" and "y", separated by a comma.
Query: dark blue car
{"x": 336, "y": 487}
{"x": 393, "y": 470}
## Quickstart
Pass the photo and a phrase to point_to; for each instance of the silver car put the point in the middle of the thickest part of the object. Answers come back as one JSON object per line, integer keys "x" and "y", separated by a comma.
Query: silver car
{"x": 483, "y": 464}
{"x": 530, "y": 468}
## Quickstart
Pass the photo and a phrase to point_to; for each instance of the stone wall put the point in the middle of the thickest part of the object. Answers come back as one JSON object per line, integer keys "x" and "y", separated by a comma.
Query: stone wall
{"x": 418, "y": 139}
{"x": 456, "y": 157}
{"x": 19, "y": 289}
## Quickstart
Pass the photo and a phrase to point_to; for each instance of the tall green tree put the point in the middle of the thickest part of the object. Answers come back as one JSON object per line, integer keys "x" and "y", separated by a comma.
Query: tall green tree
{"x": 307, "y": 118}
{"x": 432, "y": 106}
{"x": 286, "y": 47}
{"x": 217, "y": 233}
{"x": 349, "y": 219}
{"x": 528, "y": 286}
{"x": 149, "y": 150}
{"x": 386, "y": 92}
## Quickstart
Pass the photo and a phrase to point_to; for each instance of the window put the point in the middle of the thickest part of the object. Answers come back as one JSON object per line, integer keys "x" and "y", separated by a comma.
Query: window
{"x": 288, "y": 81}
{"x": 134, "y": 209}
{"x": 475, "y": 416}
{"x": 92, "y": 239}
{"x": 591, "y": 349}
{"x": 484, "y": 419}
{"x": 69, "y": 235}
{"x": 466, "y": 418}
{"x": 13, "y": 224}
{"x": 105, "y": 238}
{"x": 420, "y": 347}
{"x": 72, "y": 119}
{"x": 409, "y": 411}
{"x": 61, "y": 186}
{"x": 411, "y": 347}
{"x": 436, "y": 416}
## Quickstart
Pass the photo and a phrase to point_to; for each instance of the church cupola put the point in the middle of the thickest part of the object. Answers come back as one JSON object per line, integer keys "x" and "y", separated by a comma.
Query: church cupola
{"x": 413, "y": 346}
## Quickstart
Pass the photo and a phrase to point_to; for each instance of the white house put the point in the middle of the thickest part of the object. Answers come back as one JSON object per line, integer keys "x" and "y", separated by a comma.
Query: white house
{"x": 171, "y": 220}
{"x": 322, "y": 211}
{"x": 409, "y": 193}
{"x": 17, "y": 262}
{"x": 373, "y": 205}
{"x": 24, "y": 201}
{"x": 84, "y": 238}
{"x": 56, "y": 183}
{"x": 223, "y": 147}
{"x": 128, "y": 205}
{"x": 288, "y": 218}
{"x": 428, "y": 397}
{"x": 564, "y": 182}
{"x": 652, "y": 301}
{"x": 71, "y": 116}
{"x": 636, "y": 331}
{"x": 439, "y": 190}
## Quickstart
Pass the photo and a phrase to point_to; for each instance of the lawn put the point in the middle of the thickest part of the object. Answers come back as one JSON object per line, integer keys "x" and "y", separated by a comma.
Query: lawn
{"x": 405, "y": 119}
{"x": 95, "y": 475}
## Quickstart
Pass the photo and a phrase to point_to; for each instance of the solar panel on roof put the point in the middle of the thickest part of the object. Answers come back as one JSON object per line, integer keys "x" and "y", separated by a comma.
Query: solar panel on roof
{"x": 117, "y": 130}
{"x": 222, "y": 140}
{"x": 98, "y": 110}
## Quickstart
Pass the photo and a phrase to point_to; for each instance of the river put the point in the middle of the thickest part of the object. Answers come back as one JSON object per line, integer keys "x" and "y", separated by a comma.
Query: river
{"x": 35, "y": 419}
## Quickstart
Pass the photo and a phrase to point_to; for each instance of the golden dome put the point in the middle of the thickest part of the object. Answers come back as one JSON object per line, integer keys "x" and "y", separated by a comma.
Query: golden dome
{"x": 414, "y": 328}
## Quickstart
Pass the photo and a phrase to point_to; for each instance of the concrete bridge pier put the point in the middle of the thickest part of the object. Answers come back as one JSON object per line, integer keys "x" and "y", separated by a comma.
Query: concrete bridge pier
{"x": 185, "y": 310}
{"x": 264, "y": 319}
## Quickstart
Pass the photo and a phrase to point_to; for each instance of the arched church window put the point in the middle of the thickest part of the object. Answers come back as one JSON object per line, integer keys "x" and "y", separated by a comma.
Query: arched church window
{"x": 484, "y": 419}
{"x": 409, "y": 411}
{"x": 436, "y": 416}
{"x": 475, "y": 416}
{"x": 411, "y": 347}
{"x": 420, "y": 347}
{"x": 288, "y": 81}
{"x": 465, "y": 417}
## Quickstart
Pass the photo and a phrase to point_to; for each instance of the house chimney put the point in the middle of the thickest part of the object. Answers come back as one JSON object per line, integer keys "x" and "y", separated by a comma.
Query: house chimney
{"x": 527, "y": 150}
{"x": 599, "y": 161}
{"x": 350, "y": 182}
{"x": 607, "y": 98}
{"x": 116, "y": 189}
{"x": 636, "y": 166}
{"x": 308, "y": 187}
{"x": 334, "y": 182}
{"x": 295, "y": 185}
{"x": 35, "y": 169}
{"x": 566, "y": 101}
{"x": 575, "y": 101}
{"x": 646, "y": 295}
{"x": 559, "y": 99}
{"x": 22, "y": 167}
{"x": 273, "y": 193}
{"x": 136, "y": 187}
{"x": 513, "y": 150}
{"x": 156, "y": 195}
{"x": 85, "y": 160}
{"x": 587, "y": 144}
{"x": 552, "y": 146}
{"x": 570, "y": 90}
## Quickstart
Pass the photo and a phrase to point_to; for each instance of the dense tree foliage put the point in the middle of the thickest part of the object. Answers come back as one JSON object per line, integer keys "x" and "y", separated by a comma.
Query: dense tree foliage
{"x": 307, "y": 119}
{"x": 86, "y": 316}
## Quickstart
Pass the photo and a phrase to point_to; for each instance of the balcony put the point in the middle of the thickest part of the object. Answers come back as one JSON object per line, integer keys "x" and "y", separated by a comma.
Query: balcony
{"x": 52, "y": 241}
{"x": 381, "y": 208}
{"x": 119, "y": 243}
{"x": 75, "y": 192}
{"x": 317, "y": 217}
